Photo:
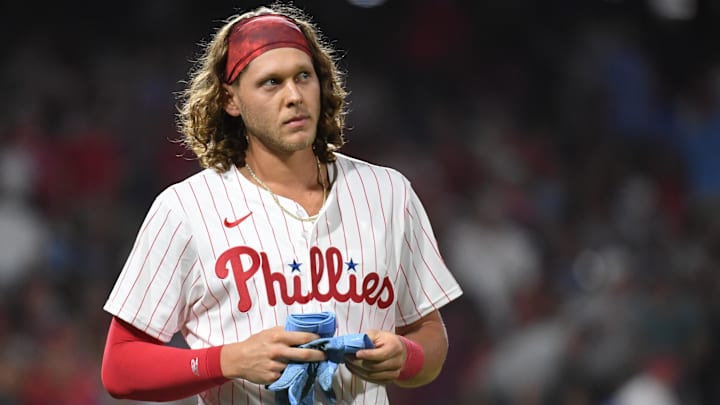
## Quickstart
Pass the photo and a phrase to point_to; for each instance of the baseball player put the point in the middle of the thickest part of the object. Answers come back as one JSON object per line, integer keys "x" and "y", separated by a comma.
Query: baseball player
{"x": 277, "y": 223}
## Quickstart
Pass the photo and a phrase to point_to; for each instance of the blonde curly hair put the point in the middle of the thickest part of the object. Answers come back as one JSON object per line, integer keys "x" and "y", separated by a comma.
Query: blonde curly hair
{"x": 218, "y": 139}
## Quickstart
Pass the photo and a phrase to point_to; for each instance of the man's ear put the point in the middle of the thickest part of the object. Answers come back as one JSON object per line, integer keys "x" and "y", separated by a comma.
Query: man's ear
{"x": 231, "y": 105}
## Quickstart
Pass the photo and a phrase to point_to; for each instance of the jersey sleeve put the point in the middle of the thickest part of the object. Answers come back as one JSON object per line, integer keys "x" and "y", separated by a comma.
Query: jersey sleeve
{"x": 425, "y": 282}
{"x": 150, "y": 290}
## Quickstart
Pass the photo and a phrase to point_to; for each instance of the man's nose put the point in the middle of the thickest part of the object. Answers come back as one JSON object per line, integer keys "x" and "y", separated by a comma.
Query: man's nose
{"x": 293, "y": 94}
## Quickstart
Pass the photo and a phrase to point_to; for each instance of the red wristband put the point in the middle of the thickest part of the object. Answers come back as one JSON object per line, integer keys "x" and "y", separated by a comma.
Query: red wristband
{"x": 414, "y": 360}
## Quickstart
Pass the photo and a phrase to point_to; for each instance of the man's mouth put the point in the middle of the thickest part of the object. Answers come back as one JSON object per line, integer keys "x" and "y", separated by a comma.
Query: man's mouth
{"x": 297, "y": 120}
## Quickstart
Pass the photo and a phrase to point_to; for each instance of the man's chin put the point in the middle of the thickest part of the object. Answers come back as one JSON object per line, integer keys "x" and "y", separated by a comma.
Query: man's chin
{"x": 292, "y": 147}
{"x": 300, "y": 141}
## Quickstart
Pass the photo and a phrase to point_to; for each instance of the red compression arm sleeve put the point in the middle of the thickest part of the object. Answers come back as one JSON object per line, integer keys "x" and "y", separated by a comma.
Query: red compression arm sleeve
{"x": 137, "y": 366}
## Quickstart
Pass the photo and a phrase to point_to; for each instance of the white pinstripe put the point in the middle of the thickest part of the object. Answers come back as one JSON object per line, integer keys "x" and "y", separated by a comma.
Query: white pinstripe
{"x": 372, "y": 216}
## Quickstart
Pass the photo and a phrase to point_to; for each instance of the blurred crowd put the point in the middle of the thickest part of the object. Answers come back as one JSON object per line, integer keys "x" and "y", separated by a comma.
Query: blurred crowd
{"x": 567, "y": 154}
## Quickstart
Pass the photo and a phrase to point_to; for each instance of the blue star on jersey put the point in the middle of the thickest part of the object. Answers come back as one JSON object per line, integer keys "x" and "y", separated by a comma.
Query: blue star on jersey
{"x": 351, "y": 265}
{"x": 295, "y": 266}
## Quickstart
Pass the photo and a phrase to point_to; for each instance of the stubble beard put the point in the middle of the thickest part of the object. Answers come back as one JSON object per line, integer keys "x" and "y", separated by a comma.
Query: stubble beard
{"x": 276, "y": 139}
{"x": 275, "y": 143}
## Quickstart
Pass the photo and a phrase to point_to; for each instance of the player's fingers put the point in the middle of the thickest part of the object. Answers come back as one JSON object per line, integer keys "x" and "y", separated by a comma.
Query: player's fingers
{"x": 373, "y": 334}
{"x": 271, "y": 374}
{"x": 294, "y": 354}
{"x": 377, "y": 354}
{"x": 378, "y": 377}
{"x": 377, "y": 366}
{"x": 297, "y": 338}
{"x": 386, "y": 345}
{"x": 385, "y": 350}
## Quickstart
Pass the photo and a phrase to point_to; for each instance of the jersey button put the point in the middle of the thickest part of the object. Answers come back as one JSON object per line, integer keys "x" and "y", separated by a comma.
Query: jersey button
{"x": 305, "y": 234}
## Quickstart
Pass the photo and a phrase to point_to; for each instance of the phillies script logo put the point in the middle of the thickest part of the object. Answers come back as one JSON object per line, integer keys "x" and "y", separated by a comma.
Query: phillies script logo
{"x": 370, "y": 289}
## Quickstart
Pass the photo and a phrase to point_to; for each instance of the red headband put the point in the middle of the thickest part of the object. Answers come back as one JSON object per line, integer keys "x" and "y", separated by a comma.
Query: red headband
{"x": 251, "y": 37}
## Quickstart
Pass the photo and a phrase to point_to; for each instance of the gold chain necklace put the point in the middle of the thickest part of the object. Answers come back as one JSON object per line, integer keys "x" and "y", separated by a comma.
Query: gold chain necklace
{"x": 277, "y": 201}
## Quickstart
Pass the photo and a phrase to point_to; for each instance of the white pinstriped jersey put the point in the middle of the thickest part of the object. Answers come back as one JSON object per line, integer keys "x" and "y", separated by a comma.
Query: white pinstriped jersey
{"x": 217, "y": 260}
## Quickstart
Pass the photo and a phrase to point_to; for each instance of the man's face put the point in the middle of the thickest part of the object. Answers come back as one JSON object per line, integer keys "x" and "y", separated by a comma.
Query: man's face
{"x": 278, "y": 98}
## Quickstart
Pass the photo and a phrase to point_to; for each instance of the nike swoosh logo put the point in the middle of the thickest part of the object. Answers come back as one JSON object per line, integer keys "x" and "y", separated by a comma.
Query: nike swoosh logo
{"x": 229, "y": 224}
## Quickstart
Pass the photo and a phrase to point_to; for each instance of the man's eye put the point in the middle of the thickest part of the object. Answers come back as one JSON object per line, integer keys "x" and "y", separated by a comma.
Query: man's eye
{"x": 270, "y": 82}
{"x": 304, "y": 76}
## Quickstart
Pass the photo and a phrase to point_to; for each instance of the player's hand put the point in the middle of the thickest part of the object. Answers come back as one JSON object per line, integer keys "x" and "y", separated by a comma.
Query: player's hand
{"x": 381, "y": 365}
{"x": 262, "y": 358}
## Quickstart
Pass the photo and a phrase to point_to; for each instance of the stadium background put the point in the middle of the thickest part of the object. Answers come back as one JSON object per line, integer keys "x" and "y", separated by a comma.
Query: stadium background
{"x": 567, "y": 153}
